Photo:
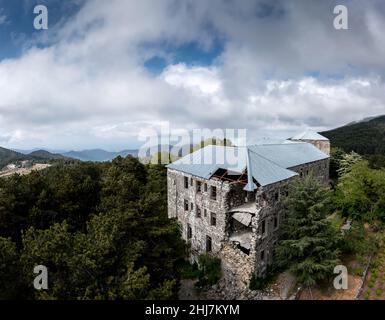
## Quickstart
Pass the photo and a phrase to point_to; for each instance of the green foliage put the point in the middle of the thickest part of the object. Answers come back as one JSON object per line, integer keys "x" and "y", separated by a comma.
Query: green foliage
{"x": 9, "y": 269}
{"x": 357, "y": 241}
{"x": 209, "y": 270}
{"x": 376, "y": 161}
{"x": 101, "y": 229}
{"x": 189, "y": 271}
{"x": 308, "y": 242}
{"x": 366, "y": 138}
{"x": 41, "y": 199}
{"x": 261, "y": 282}
{"x": 336, "y": 155}
{"x": 353, "y": 239}
{"x": 347, "y": 162}
{"x": 360, "y": 193}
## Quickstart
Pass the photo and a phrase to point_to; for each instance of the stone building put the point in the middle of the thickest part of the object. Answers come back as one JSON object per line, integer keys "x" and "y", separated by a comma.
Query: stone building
{"x": 315, "y": 139}
{"x": 228, "y": 199}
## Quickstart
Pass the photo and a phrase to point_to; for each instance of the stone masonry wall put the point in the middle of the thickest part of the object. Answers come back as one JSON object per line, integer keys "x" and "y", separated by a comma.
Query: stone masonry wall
{"x": 201, "y": 225}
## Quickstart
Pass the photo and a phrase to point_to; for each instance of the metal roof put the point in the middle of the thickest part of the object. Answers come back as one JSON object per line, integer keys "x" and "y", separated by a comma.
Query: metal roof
{"x": 289, "y": 155}
{"x": 204, "y": 162}
{"x": 309, "y": 135}
{"x": 266, "y": 171}
{"x": 267, "y": 163}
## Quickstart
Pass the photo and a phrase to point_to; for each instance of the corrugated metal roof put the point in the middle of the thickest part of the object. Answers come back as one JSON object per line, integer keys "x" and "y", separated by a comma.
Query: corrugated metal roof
{"x": 291, "y": 154}
{"x": 267, "y": 163}
{"x": 309, "y": 135}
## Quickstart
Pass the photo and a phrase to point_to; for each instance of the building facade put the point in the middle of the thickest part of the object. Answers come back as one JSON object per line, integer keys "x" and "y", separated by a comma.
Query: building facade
{"x": 233, "y": 209}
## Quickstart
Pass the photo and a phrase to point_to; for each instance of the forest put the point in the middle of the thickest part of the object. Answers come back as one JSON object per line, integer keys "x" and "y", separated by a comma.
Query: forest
{"x": 101, "y": 229}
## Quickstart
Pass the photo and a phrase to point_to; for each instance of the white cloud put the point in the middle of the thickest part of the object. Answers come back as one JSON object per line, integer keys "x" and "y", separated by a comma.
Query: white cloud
{"x": 198, "y": 79}
{"x": 89, "y": 86}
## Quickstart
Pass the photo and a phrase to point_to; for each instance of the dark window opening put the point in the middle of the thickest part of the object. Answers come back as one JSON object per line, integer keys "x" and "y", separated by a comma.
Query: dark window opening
{"x": 208, "y": 244}
{"x": 205, "y": 212}
{"x": 198, "y": 212}
{"x": 186, "y": 182}
{"x": 205, "y": 188}
{"x": 214, "y": 193}
{"x": 185, "y": 205}
{"x": 191, "y": 181}
{"x": 199, "y": 186}
{"x": 276, "y": 196}
{"x": 262, "y": 256}
{"x": 213, "y": 220}
{"x": 192, "y": 206}
{"x": 263, "y": 228}
{"x": 189, "y": 232}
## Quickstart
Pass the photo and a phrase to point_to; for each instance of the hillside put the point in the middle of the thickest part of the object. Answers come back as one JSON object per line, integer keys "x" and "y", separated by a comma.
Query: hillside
{"x": 365, "y": 137}
{"x": 8, "y": 156}
{"x": 45, "y": 155}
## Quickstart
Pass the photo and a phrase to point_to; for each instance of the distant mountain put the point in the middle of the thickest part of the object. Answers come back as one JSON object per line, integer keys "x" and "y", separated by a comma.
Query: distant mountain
{"x": 98, "y": 154}
{"x": 366, "y": 137}
{"x": 7, "y": 156}
{"x": 45, "y": 155}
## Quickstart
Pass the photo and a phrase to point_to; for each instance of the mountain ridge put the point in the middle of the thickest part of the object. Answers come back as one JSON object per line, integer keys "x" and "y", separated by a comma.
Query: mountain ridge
{"x": 366, "y": 137}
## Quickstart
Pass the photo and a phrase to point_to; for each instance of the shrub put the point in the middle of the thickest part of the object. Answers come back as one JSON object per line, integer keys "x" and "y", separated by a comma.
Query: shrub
{"x": 358, "y": 271}
{"x": 189, "y": 271}
{"x": 209, "y": 270}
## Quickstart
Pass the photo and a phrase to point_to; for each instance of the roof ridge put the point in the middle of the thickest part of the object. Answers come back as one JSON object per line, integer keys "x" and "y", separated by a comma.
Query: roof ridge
{"x": 273, "y": 162}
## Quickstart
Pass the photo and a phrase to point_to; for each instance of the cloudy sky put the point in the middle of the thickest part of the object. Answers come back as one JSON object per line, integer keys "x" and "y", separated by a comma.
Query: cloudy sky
{"x": 104, "y": 70}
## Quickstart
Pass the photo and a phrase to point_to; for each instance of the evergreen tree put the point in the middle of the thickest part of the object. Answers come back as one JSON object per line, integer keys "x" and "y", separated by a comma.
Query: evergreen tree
{"x": 308, "y": 242}
{"x": 9, "y": 269}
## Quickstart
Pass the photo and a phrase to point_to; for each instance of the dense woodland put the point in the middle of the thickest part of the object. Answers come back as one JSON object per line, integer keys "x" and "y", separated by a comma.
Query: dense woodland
{"x": 366, "y": 138}
{"x": 101, "y": 229}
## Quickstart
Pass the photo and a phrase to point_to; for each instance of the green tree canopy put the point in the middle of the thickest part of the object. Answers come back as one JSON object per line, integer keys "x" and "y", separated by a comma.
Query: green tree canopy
{"x": 360, "y": 193}
{"x": 308, "y": 242}
{"x": 101, "y": 229}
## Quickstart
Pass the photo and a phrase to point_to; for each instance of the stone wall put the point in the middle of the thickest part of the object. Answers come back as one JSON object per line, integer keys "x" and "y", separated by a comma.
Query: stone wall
{"x": 323, "y": 145}
{"x": 318, "y": 169}
{"x": 201, "y": 225}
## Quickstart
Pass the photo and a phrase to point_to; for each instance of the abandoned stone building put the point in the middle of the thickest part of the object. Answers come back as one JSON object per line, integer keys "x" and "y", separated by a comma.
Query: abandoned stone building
{"x": 228, "y": 199}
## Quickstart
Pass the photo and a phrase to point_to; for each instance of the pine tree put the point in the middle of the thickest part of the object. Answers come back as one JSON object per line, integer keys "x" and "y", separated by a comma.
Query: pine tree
{"x": 308, "y": 241}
